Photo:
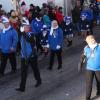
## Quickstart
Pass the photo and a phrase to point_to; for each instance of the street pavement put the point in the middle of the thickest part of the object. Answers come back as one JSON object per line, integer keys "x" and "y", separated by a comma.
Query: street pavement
{"x": 64, "y": 84}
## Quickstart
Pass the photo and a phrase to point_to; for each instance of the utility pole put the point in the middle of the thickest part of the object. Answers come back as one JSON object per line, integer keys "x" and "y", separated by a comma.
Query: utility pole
{"x": 65, "y": 7}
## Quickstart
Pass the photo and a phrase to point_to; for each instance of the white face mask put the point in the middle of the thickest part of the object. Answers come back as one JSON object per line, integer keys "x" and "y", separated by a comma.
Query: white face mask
{"x": 44, "y": 33}
{"x": 52, "y": 29}
{"x": 67, "y": 22}
{"x": 83, "y": 18}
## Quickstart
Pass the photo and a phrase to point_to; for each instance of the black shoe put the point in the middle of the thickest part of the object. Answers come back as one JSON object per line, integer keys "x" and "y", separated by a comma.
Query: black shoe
{"x": 98, "y": 94}
{"x": 13, "y": 72}
{"x": 1, "y": 75}
{"x": 69, "y": 43}
{"x": 49, "y": 68}
{"x": 59, "y": 67}
{"x": 20, "y": 90}
{"x": 38, "y": 84}
{"x": 88, "y": 99}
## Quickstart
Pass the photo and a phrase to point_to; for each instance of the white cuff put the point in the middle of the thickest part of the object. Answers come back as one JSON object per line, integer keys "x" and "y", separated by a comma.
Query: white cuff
{"x": 22, "y": 29}
{"x": 58, "y": 47}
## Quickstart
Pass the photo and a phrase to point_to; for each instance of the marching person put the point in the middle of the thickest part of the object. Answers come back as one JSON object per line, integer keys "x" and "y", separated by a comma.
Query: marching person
{"x": 92, "y": 55}
{"x": 44, "y": 39}
{"x": 28, "y": 55}
{"x": 15, "y": 22}
{"x": 37, "y": 25}
{"x": 89, "y": 12}
{"x": 8, "y": 44}
{"x": 55, "y": 40}
{"x": 84, "y": 25}
{"x": 68, "y": 30}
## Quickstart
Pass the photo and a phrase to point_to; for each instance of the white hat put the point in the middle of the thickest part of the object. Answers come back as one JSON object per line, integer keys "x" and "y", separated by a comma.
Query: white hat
{"x": 25, "y": 21}
{"x": 5, "y": 19}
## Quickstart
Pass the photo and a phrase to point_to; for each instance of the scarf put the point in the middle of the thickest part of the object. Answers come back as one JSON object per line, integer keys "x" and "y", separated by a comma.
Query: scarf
{"x": 52, "y": 29}
{"x": 38, "y": 19}
{"x": 6, "y": 29}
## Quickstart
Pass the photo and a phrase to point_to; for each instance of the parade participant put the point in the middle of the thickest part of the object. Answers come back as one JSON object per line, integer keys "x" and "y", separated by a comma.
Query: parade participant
{"x": 59, "y": 16}
{"x": 84, "y": 25}
{"x": 24, "y": 9}
{"x": 55, "y": 40}
{"x": 15, "y": 22}
{"x": 28, "y": 55}
{"x": 37, "y": 25}
{"x": 46, "y": 19}
{"x": 1, "y": 10}
{"x": 89, "y": 12}
{"x": 44, "y": 39}
{"x": 95, "y": 10}
{"x": 68, "y": 30}
{"x": 1, "y": 25}
{"x": 92, "y": 55}
{"x": 8, "y": 44}
{"x": 76, "y": 18}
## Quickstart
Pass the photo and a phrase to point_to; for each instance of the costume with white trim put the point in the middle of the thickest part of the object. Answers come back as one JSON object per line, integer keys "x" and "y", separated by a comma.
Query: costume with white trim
{"x": 28, "y": 56}
{"x": 84, "y": 25}
{"x": 68, "y": 29}
{"x": 8, "y": 44}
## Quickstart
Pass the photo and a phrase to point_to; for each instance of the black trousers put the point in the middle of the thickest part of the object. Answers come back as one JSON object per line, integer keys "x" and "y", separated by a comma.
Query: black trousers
{"x": 58, "y": 53}
{"x": 38, "y": 40}
{"x": 24, "y": 68}
{"x": 89, "y": 80}
{"x": 4, "y": 58}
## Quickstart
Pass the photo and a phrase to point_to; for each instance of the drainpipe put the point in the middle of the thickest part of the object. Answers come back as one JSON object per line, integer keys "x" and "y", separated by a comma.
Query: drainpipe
{"x": 65, "y": 7}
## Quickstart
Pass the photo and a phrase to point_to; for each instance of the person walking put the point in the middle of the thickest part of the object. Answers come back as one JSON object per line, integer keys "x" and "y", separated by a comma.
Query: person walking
{"x": 36, "y": 26}
{"x": 8, "y": 44}
{"x": 92, "y": 55}
{"x": 28, "y": 55}
{"x": 67, "y": 27}
{"x": 55, "y": 40}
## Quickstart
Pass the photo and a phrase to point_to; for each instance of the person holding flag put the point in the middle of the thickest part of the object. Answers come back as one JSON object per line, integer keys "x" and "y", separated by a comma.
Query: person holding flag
{"x": 28, "y": 55}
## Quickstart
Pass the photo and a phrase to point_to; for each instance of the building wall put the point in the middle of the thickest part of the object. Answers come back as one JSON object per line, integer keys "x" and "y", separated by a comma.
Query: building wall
{"x": 59, "y": 2}
{"x": 8, "y": 4}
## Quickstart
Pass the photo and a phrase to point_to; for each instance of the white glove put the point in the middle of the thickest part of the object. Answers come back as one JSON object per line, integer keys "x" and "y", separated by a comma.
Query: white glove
{"x": 87, "y": 25}
{"x": 58, "y": 47}
{"x": 70, "y": 29}
{"x": 22, "y": 29}
{"x": 47, "y": 46}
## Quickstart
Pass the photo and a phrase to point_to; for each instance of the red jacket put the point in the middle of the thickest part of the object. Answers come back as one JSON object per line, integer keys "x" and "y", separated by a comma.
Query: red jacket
{"x": 59, "y": 17}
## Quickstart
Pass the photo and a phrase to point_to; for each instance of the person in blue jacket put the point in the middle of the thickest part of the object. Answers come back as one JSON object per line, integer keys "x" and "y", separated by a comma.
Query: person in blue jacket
{"x": 90, "y": 17}
{"x": 84, "y": 25}
{"x": 55, "y": 41}
{"x": 91, "y": 55}
{"x": 44, "y": 38}
{"x": 8, "y": 44}
{"x": 28, "y": 55}
{"x": 68, "y": 30}
{"x": 37, "y": 25}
